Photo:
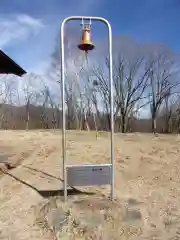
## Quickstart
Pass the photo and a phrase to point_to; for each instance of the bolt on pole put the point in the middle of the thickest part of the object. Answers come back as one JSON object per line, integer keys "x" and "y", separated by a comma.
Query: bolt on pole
{"x": 63, "y": 100}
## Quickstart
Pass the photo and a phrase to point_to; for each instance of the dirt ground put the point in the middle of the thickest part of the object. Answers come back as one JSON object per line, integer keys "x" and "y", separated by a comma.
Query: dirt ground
{"x": 147, "y": 172}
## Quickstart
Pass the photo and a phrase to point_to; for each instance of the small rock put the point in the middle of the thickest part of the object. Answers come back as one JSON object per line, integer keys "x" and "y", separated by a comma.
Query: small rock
{"x": 3, "y": 167}
{"x": 132, "y": 202}
{"x": 132, "y": 215}
{"x": 91, "y": 220}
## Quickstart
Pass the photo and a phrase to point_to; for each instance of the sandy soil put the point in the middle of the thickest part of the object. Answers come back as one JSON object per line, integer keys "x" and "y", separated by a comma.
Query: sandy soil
{"x": 147, "y": 171}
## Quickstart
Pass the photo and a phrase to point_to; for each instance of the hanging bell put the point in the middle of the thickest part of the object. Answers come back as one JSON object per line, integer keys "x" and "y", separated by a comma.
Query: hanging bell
{"x": 86, "y": 43}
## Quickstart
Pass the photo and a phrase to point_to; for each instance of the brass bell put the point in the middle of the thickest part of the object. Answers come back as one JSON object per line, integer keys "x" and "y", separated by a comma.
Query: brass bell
{"x": 86, "y": 43}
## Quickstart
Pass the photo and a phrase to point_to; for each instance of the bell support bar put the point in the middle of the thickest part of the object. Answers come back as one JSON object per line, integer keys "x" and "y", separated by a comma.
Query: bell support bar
{"x": 63, "y": 99}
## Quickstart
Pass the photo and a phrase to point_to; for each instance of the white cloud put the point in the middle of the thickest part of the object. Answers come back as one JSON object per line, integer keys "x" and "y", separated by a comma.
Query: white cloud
{"x": 27, "y": 20}
{"x": 17, "y": 28}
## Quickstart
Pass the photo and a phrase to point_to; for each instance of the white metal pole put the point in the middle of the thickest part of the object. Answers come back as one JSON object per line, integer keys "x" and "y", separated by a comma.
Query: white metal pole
{"x": 111, "y": 100}
{"x": 63, "y": 113}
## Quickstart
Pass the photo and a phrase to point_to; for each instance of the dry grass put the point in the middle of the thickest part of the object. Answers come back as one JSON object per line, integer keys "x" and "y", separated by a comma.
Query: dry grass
{"x": 147, "y": 172}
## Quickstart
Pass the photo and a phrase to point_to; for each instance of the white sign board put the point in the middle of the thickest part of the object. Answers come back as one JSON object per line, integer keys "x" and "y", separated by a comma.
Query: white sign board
{"x": 89, "y": 175}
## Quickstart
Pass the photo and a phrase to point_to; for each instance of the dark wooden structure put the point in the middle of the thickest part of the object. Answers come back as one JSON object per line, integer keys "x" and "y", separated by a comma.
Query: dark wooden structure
{"x": 8, "y": 66}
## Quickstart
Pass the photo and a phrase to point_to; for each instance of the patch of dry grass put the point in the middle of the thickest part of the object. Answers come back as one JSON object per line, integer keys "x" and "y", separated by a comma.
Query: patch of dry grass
{"x": 147, "y": 172}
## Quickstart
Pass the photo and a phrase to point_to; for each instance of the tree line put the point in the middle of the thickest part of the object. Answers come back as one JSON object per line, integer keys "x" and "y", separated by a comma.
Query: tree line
{"x": 146, "y": 91}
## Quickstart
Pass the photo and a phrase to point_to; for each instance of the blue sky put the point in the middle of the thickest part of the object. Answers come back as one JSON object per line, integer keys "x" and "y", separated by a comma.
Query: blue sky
{"x": 29, "y": 29}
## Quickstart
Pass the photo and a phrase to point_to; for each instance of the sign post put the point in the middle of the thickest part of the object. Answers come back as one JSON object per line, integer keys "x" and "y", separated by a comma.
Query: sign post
{"x": 85, "y": 175}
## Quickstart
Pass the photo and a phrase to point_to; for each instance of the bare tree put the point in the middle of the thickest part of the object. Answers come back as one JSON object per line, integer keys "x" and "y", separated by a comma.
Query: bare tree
{"x": 129, "y": 86}
{"x": 162, "y": 81}
{"x": 75, "y": 71}
{"x": 31, "y": 89}
{"x": 5, "y": 95}
{"x": 172, "y": 113}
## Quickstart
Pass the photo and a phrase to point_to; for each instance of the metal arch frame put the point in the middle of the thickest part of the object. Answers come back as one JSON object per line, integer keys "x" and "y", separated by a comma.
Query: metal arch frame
{"x": 63, "y": 100}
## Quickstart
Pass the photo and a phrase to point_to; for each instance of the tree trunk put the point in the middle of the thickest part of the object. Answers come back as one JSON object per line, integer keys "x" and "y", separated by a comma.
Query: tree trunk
{"x": 27, "y": 121}
{"x": 86, "y": 122}
{"x": 154, "y": 123}
{"x": 95, "y": 124}
{"x": 123, "y": 123}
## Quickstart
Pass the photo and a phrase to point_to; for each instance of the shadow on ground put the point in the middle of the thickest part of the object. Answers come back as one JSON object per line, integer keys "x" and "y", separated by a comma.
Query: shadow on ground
{"x": 47, "y": 193}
